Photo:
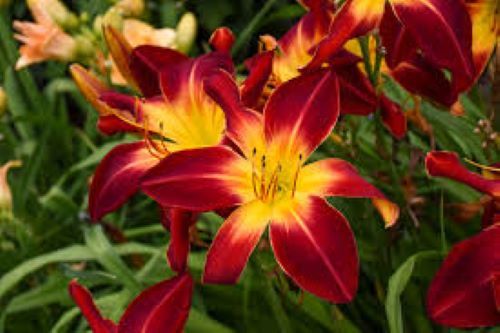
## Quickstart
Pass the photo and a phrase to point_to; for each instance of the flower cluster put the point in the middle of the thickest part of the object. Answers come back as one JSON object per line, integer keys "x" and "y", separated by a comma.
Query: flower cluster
{"x": 208, "y": 143}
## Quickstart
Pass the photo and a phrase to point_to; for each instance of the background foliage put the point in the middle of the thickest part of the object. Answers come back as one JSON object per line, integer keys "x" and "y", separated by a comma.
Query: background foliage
{"x": 51, "y": 128}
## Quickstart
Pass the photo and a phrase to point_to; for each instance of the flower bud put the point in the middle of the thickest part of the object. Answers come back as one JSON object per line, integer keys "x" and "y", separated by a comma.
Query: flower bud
{"x": 114, "y": 18}
{"x": 55, "y": 10}
{"x": 5, "y": 194}
{"x": 222, "y": 39}
{"x": 130, "y": 7}
{"x": 3, "y": 101}
{"x": 186, "y": 32}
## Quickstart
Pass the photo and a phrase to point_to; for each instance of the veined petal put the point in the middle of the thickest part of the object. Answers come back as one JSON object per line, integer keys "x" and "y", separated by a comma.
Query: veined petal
{"x": 120, "y": 51}
{"x": 462, "y": 294}
{"x": 354, "y": 18}
{"x": 335, "y": 177}
{"x": 111, "y": 124}
{"x": 315, "y": 246}
{"x": 200, "y": 179}
{"x": 117, "y": 177}
{"x": 447, "y": 164}
{"x": 443, "y": 31}
{"x": 222, "y": 39}
{"x": 392, "y": 117}
{"x": 302, "y": 112}
{"x": 235, "y": 241}
{"x": 259, "y": 68}
{"x": 163, "y": 307}
{"x": 147, "y": 61}
{"x": 178, "y": 249}
{"x": 243, "y": 126}
{"x": 294, "y": 48}
{"x": 420, "y": 77}
{"x": 83, "y": 299}
{"x": 484, "y": 31}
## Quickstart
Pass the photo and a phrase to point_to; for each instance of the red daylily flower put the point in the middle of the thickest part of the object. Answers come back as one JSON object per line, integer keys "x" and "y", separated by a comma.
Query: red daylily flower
{"x": 465, "y": 292}
{"x": 271, "y": 185}
{"x": 163, "y": 307}
{"x": 283, "y": 60}
{"x": 421, "y": 39}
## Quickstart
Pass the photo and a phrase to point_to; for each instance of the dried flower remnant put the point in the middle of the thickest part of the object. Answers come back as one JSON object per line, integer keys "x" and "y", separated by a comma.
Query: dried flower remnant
{"x": 5, "y": 193}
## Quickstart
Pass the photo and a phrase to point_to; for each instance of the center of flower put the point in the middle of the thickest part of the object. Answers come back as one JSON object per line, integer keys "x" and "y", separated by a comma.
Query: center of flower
{"x": 272, "y": 178}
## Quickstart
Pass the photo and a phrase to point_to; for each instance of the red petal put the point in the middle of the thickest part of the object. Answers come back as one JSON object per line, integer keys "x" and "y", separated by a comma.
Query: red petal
{"x": 302, "y": 112}
{"x": 420, "y": 77}
{"x": 357, "y": 95}
{"x": 163, "y": 307}
{"x": 82, "y": 297}
{"x": 117, "y": 177}
{"x": 146, "y": 63}
{"x": 260, "y": 68}
{"x": 491, "y": 214}
{"x": 443, "y": 31}
{"x": 186, "y": 79}
{"x": 315, "y": 246}
{"x": 222, "y": 40}
{"x": 111, "y": 124}
{"x": 462, "y": 293}
{"x": 234, "y": 243}
{"x": 335, "y": 177}
{"x": 243, "y": 126}
{"x": 199, "y": 179}
{"x": 355, "y": 18}
{"x": 447, "y": 164}
{"x": 393, "y": 117}
{"x": 178, "y": 249}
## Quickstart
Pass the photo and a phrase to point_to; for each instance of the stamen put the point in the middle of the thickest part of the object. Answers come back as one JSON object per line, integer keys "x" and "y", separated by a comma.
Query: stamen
{"x": 296, "y": 176}
{"x": 482, "y": 166}
{"x": 254, "y": 173}
{"x": 263, "y": 176}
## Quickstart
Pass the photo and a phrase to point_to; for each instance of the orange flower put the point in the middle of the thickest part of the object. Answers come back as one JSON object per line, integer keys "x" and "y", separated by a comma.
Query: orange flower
{"x": 43, "y": 40}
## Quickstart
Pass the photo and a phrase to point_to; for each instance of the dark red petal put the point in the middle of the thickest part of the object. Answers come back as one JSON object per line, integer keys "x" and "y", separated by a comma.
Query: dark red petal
{"x": 178, "y": 249}
{"x": 163, "y": 307}
{"x": 357, "y": 95}
{"x": 83, "y": 299}
{"x": 187, "y": 77}
{"x": 443, "y": 31}
{"x": 243, "y": 126}
{"x": 198, "y": 180}
{"x": 146, "y": 63}
{"x": 392, "y": 117}
{"x": 315, "y": 246}
{"x": 222, "y": 39}
{"x": 234, "y": 243}
{"x": 112, "y": 124}
{"x": 260, "y": 68}
{"x": 420, "y": 77}
{"x": 355, "y": 18}
{"x": 447, "y": 164}
{"x": 491, "y": 213}
{"x": 303, "y": 111}
{"x": 120, "y": 51}
{"x": 117, "y": 177}
{"x": 462, "y": 294}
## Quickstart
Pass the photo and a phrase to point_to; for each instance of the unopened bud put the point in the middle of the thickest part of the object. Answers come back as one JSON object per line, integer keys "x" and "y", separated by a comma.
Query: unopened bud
{"x": 113, "y": 18}
{"x": 130, "y": 7}
{"x": 56, "y": 11}
{"x": 5, "y": 193}
{"x": 186, "y": 32}
{"x": 3, "y": 102}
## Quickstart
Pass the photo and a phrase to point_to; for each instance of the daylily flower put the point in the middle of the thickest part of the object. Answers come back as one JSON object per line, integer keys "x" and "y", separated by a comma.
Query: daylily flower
{"x": 269, "y": 182}
{"x": 5, "y": 193}
{"x": 174, "y": 114}
{"x": 43, "y": 40}
{"x": 283, "y": 60}
{"x": 465, "y": 292}
{"x": 421, "y": 38}
{"x": 163, "y": 307}
{"x": 55, "y": 10}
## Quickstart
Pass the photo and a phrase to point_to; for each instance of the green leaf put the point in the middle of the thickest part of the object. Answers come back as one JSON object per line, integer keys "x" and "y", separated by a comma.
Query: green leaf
{"x": 397, "y": 284}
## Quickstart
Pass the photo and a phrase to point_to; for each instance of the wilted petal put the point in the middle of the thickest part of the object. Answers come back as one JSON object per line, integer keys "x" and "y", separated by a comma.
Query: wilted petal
{"x": 82, "y": 297}
{"x": 447, "y": 164}
{"x": 235, "y": 241}
{"x": 163, "y": 307}
{"x": 200, "y": 179}
{"x": 117, "y": 177}
{"x": 302, "y": 112}
{"x": 462, "y": 294}
{"x": 315, "y": 246}
{"x": 335, "y": 177}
